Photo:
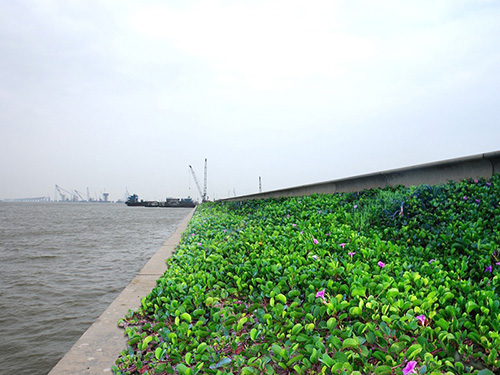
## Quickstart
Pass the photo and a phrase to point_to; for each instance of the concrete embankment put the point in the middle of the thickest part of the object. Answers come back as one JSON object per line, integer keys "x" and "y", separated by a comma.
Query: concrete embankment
{"x": 476, "y": 166}
{"x": 98, "y": 348}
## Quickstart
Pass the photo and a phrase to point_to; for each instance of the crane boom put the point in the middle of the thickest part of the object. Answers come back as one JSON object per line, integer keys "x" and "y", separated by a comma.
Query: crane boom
{"x": 197, "y": 183}
{"x": 60, "y": 190}
{"x": 205, "y": 183}
{"x": 79, "y": 195}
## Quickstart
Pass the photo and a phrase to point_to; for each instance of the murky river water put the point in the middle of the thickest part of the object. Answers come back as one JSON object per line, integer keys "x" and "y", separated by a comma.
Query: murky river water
{"x": 61, "y": 265}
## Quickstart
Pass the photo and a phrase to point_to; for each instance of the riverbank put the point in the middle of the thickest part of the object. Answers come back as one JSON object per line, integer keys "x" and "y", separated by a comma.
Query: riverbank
{"x": 97, "y": 349}
{"x": 383, "y": 281}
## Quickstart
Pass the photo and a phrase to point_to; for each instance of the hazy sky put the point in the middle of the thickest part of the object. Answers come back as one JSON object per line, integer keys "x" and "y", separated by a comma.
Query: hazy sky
{"x": 119, "y": 94}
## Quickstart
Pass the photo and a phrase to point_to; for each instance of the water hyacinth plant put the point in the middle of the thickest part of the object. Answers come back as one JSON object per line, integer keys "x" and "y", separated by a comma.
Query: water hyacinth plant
{"x": 263, "y": 287}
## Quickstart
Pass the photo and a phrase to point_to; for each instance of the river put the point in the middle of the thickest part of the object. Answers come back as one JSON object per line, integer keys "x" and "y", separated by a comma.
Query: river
{"x": 61, "y": 265}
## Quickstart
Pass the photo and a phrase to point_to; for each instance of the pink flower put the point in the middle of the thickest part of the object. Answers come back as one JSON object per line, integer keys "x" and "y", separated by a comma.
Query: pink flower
{"x": 410, "y": 368}
{"x": 476, "y": 181}
{"x": 498, "y": 264}
{"x": 321, "y": 294}
{"x": 465, "y": 198}
{"x": 421, "y": 319}
{"x": 381, "y": 264}
{"x": 342, "y": 245}
{"x": 355, "y": 206}
{"x": 351, "y": 253}
{"x": 315, "y": 241}
{"x": 294, "y": 225}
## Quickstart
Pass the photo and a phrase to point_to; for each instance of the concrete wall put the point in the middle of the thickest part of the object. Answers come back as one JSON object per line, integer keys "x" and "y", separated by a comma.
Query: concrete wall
{"x": 476, "y": 166}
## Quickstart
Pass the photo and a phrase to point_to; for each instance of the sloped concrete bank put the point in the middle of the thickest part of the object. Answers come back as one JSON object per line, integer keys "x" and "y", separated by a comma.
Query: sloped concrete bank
{"x": 476, "y": 166}
{"x": 98, "y": 348}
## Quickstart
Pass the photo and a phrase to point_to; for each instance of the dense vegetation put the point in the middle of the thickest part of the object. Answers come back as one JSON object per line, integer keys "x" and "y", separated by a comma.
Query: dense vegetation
{"x": 385, "y": 281}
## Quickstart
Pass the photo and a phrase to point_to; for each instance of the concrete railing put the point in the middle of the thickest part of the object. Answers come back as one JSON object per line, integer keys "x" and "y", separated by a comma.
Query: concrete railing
{"x": 476, "y": 166}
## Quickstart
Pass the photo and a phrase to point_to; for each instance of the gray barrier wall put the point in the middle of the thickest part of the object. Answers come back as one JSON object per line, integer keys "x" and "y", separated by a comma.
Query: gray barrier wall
{"x": 476, "y": 166}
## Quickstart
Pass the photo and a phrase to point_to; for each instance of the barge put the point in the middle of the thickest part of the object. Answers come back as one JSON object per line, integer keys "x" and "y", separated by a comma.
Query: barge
{"x": 133, "y": 201}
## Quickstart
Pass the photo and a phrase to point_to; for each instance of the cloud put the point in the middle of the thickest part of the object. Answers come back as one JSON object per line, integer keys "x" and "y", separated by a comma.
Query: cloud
{"x": 260, "y": 44}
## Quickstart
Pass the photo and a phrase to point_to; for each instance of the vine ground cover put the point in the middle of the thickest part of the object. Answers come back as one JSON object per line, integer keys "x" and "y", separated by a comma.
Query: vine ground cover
{"x": 384, "y": 281}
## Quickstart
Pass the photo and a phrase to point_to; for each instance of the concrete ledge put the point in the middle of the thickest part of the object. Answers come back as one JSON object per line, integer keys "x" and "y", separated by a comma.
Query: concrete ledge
{"x": 99, "y": 347}
{"x": 476, "y": 166}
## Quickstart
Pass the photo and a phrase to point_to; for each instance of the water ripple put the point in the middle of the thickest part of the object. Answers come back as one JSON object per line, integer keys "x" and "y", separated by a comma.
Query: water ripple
{"x": 61, "y": 265}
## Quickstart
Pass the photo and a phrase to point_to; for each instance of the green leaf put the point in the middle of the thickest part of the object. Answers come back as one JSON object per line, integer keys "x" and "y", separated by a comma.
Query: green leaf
{"x": 397, "y": 347}
{"x": 201, "y": 348}
{"x": 350, "y": 344}
{"x": 182, "y": 368}
{"x": 253, "y": 334}
{"x": 297, "y": 328}
{"x": 281, "y": 298}
{"x": 222, "y": 362}
{"x": 358, "y": 291}
{"x": 186, "y": 317}
{"x": 159, "y": 353}
{"x": 413, "y": 351}
{"x": 383, "y": 370}
{"x": 248, "y": 371}
{"x": 331, "y": 323}
{"x": 314, "y": 356}
{"x": 443, "y": 324}
{"x": 327, "y": 360}
{"x": 485, "y": 372}
{"x": 294, "y": 359}
{"x": 392, "y": 292}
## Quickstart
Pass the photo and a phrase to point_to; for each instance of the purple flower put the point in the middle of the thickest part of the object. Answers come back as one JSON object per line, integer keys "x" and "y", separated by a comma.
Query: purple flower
{"x": 294, "y": 225}
{"x": 489, "y": 269}
{"x": 315, "y": 241}
{"x": 421, "y": 319}
{"x": 355, "y": 206}
{"x": 199, "y": 243}
{"x": 498, "y": 263}
{"x": 488, "y": 183}
{"x": 381, "y": 264}
{"x": 476, "y": 181}
{"x": 301, "y": 232}
{"x": 465, "y": 198}
{"x": 351, "y": 253}
{"x": 478, "y": 201}
{"x": 321, "y": 294}
{"x": 432, "y": 261}
{"x": 342, "y": 245}
{"x": 410, "y": 368}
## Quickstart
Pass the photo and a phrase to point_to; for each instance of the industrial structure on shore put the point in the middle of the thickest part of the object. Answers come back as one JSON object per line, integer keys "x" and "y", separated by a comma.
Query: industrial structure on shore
{"x": 63, "y": 195}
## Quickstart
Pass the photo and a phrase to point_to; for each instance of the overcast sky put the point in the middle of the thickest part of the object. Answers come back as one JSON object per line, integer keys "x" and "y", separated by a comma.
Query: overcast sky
{"x": 119, "y": 95}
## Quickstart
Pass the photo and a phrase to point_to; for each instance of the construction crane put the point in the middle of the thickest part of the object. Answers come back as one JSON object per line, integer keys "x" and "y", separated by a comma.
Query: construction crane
{"x": 60, "y": 190}
{"x": 79, "y": 195}
{"x": 203, "y": 194}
